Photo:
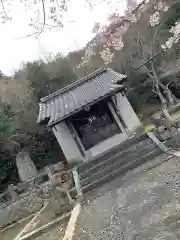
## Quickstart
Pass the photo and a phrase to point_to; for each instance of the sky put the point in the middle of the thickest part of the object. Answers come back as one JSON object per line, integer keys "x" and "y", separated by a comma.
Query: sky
{"x": 79, "y": 21}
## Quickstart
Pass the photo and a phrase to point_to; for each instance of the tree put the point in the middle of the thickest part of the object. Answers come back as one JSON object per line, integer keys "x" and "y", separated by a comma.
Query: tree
{"x": 18, "y": 109}
{"x": 146, "y": 51}
{"x": 45, "y": 78}
{"x": 48, "y": 14}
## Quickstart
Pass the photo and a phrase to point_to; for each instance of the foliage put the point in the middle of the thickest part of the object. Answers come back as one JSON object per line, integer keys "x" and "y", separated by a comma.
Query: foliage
{"x": 45, "y": 78}
{"x": 173, "y": 15}
{"x": 6, "y": 118}
{"x": 18, "y": 108}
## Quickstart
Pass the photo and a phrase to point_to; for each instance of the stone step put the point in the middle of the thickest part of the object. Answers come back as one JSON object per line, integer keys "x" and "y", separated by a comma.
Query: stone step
{"x": 114, "y": 157}
{"x": 128, "y": 146}
{"x": 120, "y": 171}
{"x": 114, "y": 163}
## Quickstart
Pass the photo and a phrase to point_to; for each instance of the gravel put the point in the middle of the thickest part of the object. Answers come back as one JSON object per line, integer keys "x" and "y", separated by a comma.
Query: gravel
{"x": 169, "y": 173}
{"x": 56, "y": 233}
{"x": 141, "y": 205}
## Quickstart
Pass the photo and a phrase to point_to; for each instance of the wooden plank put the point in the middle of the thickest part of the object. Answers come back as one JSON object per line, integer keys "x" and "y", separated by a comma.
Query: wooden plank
{"x": 18, "y": 222}
{"x": 72, "y": 222}
{"x": 39, "y": 230}
{"x": 28, "y": 226}
{"x": 77, "y": 182}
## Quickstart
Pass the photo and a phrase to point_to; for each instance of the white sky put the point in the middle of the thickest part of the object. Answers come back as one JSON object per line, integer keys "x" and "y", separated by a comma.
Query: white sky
{"x": 74, "y": 35}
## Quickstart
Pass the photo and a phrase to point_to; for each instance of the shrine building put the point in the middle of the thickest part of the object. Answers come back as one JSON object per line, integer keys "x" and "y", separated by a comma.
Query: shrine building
{"x": 90, "y": 116}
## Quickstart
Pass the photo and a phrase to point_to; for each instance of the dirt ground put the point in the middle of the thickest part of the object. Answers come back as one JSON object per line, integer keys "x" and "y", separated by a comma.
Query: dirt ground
{"x": 55, "y": 233}
{"x": 52, "y": 212}
{"x": 11, "y": 232}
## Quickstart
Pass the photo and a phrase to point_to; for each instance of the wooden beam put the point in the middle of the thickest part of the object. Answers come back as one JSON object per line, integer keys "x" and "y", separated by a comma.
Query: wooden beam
{"x": 72, "y": 222}
{"x": 28, "y": 226}
{"x": 44, "y": 227}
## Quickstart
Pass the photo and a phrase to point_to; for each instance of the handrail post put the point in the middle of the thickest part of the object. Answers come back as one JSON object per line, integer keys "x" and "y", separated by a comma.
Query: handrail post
{"x": 77, "y": 182}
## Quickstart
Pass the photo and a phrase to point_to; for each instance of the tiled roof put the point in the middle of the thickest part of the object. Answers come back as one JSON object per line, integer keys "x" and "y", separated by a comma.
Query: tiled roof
{"x": 78, "y": 95}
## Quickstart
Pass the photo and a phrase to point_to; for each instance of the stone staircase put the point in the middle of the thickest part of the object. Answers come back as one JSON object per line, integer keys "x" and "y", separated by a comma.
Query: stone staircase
{"x": 119, "y": 160}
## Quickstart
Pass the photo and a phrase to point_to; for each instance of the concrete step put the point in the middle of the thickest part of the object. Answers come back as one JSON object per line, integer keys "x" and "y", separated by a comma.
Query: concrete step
{"x": 114, "y": 157}
{"x": 119, "y": 160}
{"x": 120, "y": 171}
{"x": 130, "y": 145}
{"x": 114, "y": 163}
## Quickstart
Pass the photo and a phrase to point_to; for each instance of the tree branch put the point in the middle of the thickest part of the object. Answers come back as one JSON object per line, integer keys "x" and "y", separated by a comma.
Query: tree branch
{"x": 3, "y": 8}
{"x": 148, "y": 61}
{"x": 44, "y": 18}
{"x": 38, "y": 33}
{"x": 148, "y": 72}
{"x": 140, "y": 44}
{"x": 155, "y": 34}
{"x": 162, "y": 99}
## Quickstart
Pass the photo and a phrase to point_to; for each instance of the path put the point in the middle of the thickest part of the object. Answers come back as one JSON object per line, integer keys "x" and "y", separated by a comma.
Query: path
{"x": 138, "y": 206}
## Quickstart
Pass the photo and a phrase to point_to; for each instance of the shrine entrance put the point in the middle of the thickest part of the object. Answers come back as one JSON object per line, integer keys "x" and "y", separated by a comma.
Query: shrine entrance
{"x": 95, "y": 124}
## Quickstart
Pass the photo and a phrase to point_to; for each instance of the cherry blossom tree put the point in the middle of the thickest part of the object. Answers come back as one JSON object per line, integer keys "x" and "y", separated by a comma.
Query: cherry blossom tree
{"x": 169, "y": 101}
{"x": 175, "y": 31}
{"x": 47, "y": 14}
{"x": 167, "y": 45}
{"x": 41, "y": 15}
{"x": 112, "y": 41}
{"x": 111, "y": 35}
